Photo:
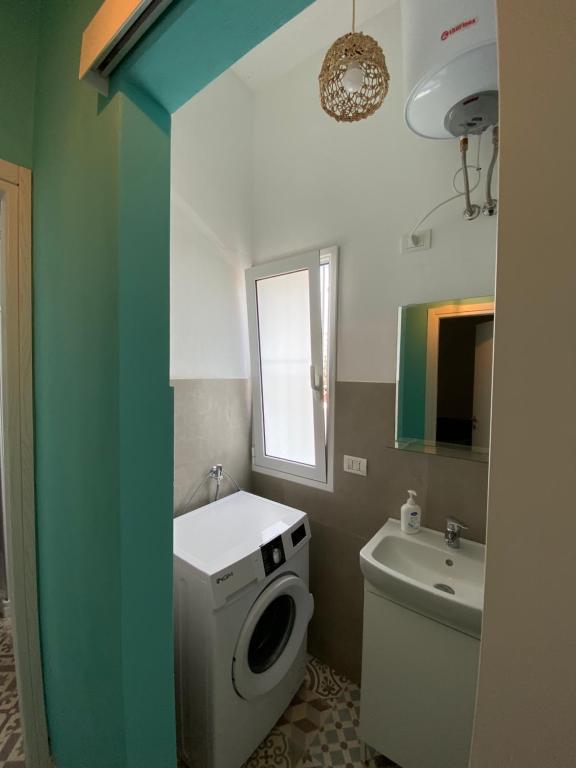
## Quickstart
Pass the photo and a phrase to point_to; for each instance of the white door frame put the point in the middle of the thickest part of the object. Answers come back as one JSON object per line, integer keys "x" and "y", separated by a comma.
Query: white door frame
{"x": 17, "y": 447}
{"x": 435, "y": 314}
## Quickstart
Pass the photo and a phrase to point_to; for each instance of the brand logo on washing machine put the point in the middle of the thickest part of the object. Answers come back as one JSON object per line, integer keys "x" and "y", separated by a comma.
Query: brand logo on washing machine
{"x": 224, "y": 577}
{"x": 458, "y": 28}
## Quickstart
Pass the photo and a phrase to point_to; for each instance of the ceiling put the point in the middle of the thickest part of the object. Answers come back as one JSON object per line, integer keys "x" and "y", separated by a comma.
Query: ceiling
{"x": 312, "y": 30}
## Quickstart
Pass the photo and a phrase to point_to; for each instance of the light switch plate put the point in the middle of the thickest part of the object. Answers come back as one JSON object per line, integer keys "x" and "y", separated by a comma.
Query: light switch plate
{"x": 355, "y": 465}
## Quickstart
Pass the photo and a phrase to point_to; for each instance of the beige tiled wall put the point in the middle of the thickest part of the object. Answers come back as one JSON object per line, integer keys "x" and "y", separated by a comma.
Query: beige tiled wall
{"x": 211, "y": 426}
{"x": 344, "y": 520}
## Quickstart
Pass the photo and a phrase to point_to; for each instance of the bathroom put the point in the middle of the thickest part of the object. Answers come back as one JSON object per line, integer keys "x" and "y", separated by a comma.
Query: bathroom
{"x": 288, "y": 180}
{"x": 91, "y": 93}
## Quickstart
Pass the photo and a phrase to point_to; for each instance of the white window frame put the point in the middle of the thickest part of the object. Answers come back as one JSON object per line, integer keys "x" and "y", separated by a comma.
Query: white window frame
{"x": 321, "y": 476}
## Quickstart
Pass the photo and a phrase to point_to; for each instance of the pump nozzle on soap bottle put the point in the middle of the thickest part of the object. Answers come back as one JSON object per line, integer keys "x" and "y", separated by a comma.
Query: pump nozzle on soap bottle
{"x": 410, "y": 515}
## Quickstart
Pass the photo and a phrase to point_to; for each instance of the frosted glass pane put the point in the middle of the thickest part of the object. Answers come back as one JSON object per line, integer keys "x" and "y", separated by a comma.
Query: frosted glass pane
{"x": 285, "y": 358}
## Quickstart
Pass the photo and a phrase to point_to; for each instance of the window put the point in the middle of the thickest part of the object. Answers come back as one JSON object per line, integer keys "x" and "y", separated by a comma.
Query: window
{"x": 292, "y": 322}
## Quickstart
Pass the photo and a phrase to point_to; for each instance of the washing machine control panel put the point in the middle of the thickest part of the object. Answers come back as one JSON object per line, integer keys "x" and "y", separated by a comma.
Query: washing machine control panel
{"x": 273, "y": 555}
{"x": 298, "y": 535}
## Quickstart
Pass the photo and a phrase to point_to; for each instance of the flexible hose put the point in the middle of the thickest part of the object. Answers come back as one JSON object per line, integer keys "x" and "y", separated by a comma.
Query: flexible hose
{"x": 195, "y": 491}
{"x": 231, "y": 480}
{"x": 466, "y": 180}
{"x": 490, "y": 202}
{"x": 208, "y": 476}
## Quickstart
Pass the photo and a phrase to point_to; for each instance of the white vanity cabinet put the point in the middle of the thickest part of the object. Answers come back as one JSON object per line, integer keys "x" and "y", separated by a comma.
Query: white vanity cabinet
{"x": 418, "y": 686}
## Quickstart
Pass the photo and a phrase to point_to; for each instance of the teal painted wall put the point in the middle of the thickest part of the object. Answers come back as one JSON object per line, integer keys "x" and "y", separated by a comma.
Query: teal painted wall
{"x": 146, "y": 434}
{"x": 76, "y": 357}
{"x": 196, "y": 40}
{"x": 103, "y": 406}
{"x": 18, "y": 50}
{"x": 103, "y": 413}
{"x": 412, "y": 370}
{"x": 412, "y": 366}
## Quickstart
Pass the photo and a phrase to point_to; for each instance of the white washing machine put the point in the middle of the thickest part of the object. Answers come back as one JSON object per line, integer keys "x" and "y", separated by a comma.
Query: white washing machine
{"x": 242, "y": 608}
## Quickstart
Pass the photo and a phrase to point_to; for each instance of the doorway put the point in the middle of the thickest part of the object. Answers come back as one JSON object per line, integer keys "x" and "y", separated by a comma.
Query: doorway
{"x": 23, "y": 733}
{"x": 459, "y": 342}
{"x": 464, "y": 380}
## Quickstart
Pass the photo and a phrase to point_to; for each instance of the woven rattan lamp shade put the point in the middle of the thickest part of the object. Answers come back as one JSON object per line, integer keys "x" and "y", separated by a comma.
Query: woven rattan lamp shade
{"x": 363, "y": 53}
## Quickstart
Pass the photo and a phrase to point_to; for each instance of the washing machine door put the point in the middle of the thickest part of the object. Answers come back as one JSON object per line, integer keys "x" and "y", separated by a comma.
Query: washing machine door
{"x": 271, "y": 636}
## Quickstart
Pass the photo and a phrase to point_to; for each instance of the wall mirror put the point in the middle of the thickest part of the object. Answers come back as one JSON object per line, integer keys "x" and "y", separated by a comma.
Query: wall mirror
{"x": 444, "y": 377}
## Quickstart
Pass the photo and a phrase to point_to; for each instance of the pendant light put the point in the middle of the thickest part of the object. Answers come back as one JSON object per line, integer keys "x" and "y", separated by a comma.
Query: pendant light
{"x": 354, "y": 78}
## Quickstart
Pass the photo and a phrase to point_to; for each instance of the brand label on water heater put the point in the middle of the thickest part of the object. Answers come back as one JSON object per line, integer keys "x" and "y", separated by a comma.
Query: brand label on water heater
{"x": 458, "y": 28}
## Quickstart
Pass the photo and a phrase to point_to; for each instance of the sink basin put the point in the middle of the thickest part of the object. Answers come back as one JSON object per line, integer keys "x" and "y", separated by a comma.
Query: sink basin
{"x": 421, "y": 572}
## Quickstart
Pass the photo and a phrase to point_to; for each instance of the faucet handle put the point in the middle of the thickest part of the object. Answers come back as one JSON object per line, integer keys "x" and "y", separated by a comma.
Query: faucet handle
{"x": 453, "y": 524}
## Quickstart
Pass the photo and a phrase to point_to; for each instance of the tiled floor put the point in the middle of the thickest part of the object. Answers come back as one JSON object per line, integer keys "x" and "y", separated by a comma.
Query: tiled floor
{"x": 11, "y": 745}
{"x": 319, "y": 729}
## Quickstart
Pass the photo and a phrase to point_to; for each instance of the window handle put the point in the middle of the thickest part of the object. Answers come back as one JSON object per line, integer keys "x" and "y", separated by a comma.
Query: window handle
{"x": 316, "y": 383}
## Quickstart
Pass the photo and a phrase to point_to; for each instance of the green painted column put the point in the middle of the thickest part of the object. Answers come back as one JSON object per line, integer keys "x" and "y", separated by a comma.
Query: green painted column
{"x": 103, "y": 413}
{"x": 146, "y": 433}
{"x": 76, "y": 374}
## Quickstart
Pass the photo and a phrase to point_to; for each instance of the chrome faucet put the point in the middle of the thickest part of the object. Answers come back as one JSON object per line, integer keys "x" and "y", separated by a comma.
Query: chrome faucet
{"x": 453, "y": 530}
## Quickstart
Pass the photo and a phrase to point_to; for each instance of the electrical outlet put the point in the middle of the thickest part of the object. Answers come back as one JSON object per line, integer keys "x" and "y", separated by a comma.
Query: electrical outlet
{"x": 355, "y": 466}
{"x": 423, "y": 241}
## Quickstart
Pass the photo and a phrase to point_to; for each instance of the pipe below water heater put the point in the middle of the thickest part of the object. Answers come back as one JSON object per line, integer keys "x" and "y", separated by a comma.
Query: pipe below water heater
{"x": 489, "y": 207}
{"x": 471, "y": 211}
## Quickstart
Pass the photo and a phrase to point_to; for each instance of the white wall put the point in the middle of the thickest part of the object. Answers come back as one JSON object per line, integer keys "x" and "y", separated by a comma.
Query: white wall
{"x": 211, "y": 232}
{"x": 256, "y": 175}
{"x": 527, "y": 684}
{"x": 361, "y": 186}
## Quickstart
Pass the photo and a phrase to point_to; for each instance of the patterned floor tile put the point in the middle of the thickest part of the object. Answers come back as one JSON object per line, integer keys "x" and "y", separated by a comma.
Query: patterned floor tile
{"x": 11, "y": 743}
{"x": 320, "y": 728}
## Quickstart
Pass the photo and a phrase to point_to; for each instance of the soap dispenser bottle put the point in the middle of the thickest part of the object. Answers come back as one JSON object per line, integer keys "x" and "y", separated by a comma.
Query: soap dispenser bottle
{"x": 410, "y": 515}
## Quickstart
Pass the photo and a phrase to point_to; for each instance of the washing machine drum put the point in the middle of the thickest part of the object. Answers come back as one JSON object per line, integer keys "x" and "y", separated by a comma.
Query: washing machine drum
{"x": 271, "y": 636}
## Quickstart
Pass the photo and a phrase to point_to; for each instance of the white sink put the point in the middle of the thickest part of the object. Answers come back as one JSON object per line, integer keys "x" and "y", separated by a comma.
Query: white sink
{"x": 421, "y": 572}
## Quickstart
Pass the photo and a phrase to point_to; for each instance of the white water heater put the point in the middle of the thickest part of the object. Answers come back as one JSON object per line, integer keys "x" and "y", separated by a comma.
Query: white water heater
{"x": 451, "y": 66}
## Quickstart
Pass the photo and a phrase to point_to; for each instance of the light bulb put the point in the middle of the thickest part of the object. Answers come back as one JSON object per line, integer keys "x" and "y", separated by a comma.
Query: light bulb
{"x": 353, "y": 78}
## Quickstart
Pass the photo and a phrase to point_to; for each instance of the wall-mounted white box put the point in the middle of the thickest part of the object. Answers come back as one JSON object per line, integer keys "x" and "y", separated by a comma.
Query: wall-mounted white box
{"x": 419, "y": 241}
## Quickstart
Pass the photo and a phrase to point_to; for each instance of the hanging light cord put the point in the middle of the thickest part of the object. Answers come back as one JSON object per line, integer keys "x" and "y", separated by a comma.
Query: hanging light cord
{"x": 353, "y": 15}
